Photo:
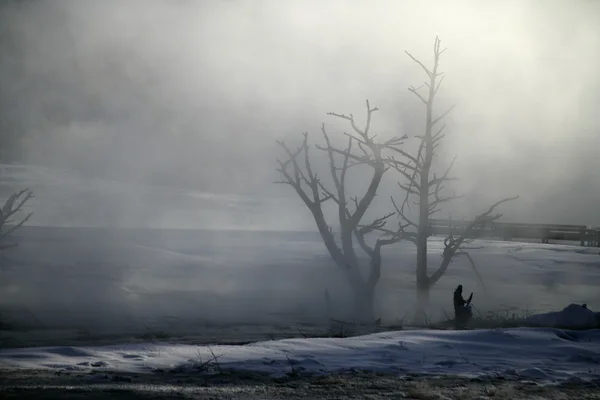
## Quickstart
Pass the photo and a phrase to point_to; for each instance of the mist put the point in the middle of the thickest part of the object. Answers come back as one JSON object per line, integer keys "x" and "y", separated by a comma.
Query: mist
{"x": 165, "y": 114}
{"x": 193, "y": 95}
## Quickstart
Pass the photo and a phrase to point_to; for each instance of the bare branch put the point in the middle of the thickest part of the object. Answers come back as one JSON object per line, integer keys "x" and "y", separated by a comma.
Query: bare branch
{"x": 376, "y": 224}
{"x": 358, "y": 140}
{"x": 496, "y": 204}
{"x": 411, "y": 178}
{"x": 466, "y": 254}
{"x": 296, "y": 180}
{"x": 435, "y": 121}
{"x": 408, "y": 189}
{"x": 439, "y": 83}
{"x": 363, "y": 160}
{"x": 345, "y": 165}
{"x": 401, "y": 214}
{"x": 332, "y": 166}
{"x": 12, "y": 206}
{"x": 452, "y": 245}
{"x": 438, "y": 136}
{"x": 327, "y": 193}
{"x": 9, "y": 209}
{"x": 404, "y": 154}
{"x": 444, "y": 178}
{"x": 364, "y": 133}
{"x": 416, "y": 93}
{"x": 391, "y": 161}
{"x": 427, "y": 71}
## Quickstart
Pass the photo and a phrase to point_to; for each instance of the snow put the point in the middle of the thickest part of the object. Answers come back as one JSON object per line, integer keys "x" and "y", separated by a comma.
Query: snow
{"x": 218, "y": 283}
{"x": 529, "y": 353}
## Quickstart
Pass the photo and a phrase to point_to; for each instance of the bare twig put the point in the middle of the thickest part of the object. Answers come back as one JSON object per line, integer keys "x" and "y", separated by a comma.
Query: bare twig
{"x": 215, "y": 359}
{"x": 453, "y": 245}
{"x": 13, "y": 205}
{"x": 464, "y": 253}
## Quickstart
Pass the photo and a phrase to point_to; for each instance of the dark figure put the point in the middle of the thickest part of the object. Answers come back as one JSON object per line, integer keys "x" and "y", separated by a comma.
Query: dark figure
{"x": 462, "y": 308}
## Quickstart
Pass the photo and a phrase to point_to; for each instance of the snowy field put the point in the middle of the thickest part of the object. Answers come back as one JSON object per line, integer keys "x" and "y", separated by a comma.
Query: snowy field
{"x": 214, "y": 287}
{"x": 137, "y": 301}
{"x": 541, "y": 354}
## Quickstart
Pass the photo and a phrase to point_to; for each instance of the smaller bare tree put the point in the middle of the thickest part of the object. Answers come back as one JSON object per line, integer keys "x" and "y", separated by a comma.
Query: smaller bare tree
{"x": 427, "y": 187}
{"x": 8, "y": 225}
{"x": 362, "y": 149}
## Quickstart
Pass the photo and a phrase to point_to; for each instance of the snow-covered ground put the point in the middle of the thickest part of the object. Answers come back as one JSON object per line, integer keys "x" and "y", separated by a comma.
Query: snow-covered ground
{"x": 541, "y": 354}
{"x": 183, "y": 281}
{"x": 118, "y": 283}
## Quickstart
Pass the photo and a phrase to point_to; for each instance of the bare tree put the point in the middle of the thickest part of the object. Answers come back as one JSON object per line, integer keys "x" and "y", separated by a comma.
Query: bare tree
{"x": 423, "y": 187}
{"x": 13, "y": 205}
{"x": 362, "y": 149}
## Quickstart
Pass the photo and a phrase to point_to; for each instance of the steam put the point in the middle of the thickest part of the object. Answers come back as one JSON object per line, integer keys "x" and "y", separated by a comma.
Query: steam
{"x": 193, "y": 94}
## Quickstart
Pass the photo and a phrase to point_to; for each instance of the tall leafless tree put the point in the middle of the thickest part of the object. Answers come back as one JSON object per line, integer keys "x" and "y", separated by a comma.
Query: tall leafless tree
{"x": 362, "y": 149}
{"x": 421, "y": 185}
{"x": 8, "y": 225}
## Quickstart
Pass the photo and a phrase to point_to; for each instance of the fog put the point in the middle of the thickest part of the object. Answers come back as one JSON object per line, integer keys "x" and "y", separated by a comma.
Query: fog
{"x": 193, "y": 95}
{"x": 165, "y": 114}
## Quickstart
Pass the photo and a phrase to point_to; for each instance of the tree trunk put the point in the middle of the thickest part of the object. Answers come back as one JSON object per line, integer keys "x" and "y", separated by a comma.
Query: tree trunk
{"x": 364, "y": 307}
{"x": 364, "y": 297}
{"x": 422, "y": 275}
{"x": 422, "y": 304}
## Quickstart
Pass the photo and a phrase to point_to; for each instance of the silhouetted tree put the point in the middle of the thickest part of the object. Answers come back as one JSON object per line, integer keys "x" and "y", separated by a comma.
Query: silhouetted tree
{"x": 362, "y": 149}
{"x": 424, "y": 187}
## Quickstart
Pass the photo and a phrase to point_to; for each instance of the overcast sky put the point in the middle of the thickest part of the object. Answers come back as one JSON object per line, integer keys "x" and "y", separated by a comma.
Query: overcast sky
{"x": 195, "y": 93}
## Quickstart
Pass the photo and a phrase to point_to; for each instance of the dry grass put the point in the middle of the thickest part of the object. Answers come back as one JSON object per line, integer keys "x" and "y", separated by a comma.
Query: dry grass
{"x": 488, "y": 320}
{"x": 39, "y": 384}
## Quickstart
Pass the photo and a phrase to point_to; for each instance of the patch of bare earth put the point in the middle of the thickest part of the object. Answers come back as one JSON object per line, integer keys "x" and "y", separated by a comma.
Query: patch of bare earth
{"x": 35, "y": 384}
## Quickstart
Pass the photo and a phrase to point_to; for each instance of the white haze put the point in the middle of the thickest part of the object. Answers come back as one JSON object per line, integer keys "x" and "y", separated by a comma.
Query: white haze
{"x": 193, "y": 95}
{"x": 165, "y": 114}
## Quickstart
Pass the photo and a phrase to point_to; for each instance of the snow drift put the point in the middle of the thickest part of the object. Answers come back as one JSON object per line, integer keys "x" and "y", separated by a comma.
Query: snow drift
{"x": 525, "y": 353}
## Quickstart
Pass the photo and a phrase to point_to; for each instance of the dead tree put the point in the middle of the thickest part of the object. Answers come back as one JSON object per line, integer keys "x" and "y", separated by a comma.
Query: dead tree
{"x": 423, "y": 187}
{"x": 13, "y": 205}
{"x": 362, "y": 149}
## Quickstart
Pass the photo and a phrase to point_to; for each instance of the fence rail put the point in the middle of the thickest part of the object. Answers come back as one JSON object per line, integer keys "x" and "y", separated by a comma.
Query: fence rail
{"x": 585, "y": 235}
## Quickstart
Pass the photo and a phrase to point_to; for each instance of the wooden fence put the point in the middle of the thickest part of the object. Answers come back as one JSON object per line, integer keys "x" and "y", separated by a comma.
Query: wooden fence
{"x": 585, "y": 235}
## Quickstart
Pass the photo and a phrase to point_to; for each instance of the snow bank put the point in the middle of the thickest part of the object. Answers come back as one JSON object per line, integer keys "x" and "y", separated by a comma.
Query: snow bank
{"x": 574, "y": 316}
{"x": 538, "y": 353}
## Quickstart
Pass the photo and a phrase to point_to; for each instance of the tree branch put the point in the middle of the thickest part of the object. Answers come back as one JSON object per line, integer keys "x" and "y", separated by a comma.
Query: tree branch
{"x": 435, "y": 121}
{"x": 427, "y": 71}
{"x": 452, "y": 245}
{"x": 11, "y": 207}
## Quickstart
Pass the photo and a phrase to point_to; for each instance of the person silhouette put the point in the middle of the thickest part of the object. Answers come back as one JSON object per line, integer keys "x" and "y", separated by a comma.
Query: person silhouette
{"x": 462, "y": 307}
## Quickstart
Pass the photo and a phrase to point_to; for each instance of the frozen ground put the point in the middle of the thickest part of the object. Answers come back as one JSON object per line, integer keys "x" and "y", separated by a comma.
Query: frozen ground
{"x": 96, "y": 302}
{"x": 519, "y": 363}
{"x": 529, "y": 353}
{"x": 65, "y": 289}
